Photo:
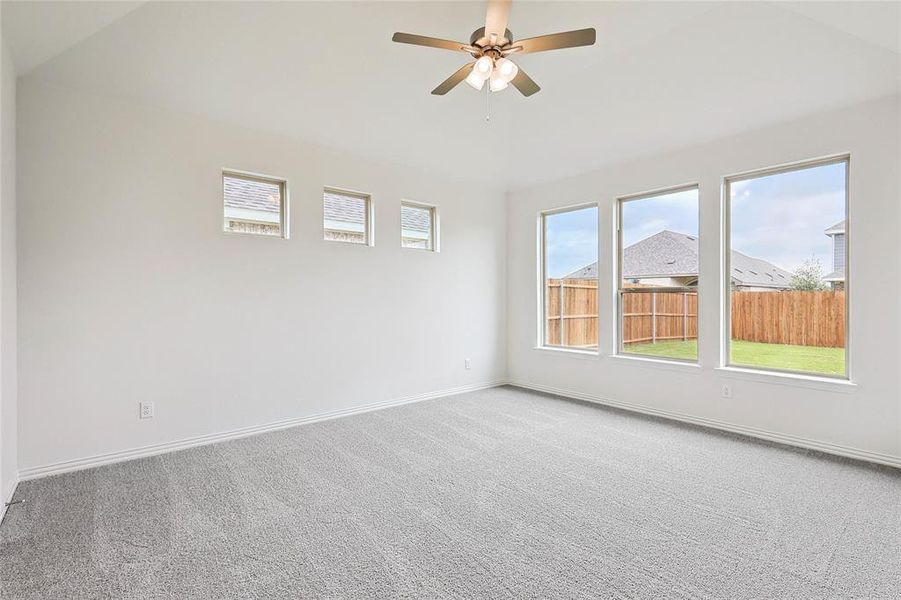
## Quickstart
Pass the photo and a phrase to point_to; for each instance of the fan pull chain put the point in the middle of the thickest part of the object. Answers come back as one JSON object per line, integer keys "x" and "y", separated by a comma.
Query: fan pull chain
{"x": 487, "y": 107}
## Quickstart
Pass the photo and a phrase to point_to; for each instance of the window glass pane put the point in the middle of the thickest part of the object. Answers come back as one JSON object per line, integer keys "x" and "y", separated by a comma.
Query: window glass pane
{"x": 659, "y": 251}
{"x": 416, "y": 226}
{"x": 571, "y": 278}
{"x": 252, "y": 205}
{"x": 787, "y": 253}
{"x": 345, "y": 217}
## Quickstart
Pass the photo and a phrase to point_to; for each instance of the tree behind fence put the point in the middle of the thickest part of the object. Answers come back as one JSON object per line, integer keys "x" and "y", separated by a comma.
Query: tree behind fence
{"x": 800, "y": 318}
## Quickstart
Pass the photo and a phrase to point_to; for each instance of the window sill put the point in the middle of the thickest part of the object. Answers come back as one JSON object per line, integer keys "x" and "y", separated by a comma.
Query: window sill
{"x": 348, "y": 243}
{"x": 828, "y": 384}
{"x": 281, "y": 236}
{"x": 656, "y": 363}
{"x": 573, "y": 352}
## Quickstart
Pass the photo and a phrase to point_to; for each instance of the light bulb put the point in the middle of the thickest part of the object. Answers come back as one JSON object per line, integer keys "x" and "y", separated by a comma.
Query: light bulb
{"x": 483, "y": 67}
{"x": 475, "y": 80}
{"x": 507, "y": 69}
{"x": 480, "y": 73}
{"x": 497, "y": 82}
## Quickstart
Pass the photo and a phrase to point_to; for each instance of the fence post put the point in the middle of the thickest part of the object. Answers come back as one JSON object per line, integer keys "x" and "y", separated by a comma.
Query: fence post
{"x": 562, "y": 322}
{"x": 653, "y": 317}
{"x": 684, "y": 316}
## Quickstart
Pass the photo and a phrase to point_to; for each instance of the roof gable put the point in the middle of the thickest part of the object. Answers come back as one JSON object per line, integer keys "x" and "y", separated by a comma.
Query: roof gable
{"x": 837, "y": 228}
{"x": 667, "y": 254}
{"x": 673, "y": 254}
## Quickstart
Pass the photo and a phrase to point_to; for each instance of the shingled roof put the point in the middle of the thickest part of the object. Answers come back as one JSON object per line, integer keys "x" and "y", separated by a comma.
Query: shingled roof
{"x": 345, "y": 208}
{"x": 415, "y": 219}
{"x": 747, "y": 270}
{"x": 665, "y": 254}
{"x": 252, "y": 195}
{"x": 673, "y": 254}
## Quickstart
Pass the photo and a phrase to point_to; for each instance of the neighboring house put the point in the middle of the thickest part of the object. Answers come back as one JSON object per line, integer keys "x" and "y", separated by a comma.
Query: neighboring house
{"x": 415, "y": 227}
{"x": 251, "y": 207}
{"x": 670, "y": 259}
{"x": 345, "y": 217}
{"x": 837, "y": 277}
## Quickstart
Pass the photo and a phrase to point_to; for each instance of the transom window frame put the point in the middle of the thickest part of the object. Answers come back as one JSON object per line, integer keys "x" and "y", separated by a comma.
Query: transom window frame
{"x": 541, "y": 341}
{"x": 368, "y": 213}
{"x": 434, "y": 223}
{"x": 618, "y": 274}
{"x": 284, "y": 211}
{"x": 726, "y": 263}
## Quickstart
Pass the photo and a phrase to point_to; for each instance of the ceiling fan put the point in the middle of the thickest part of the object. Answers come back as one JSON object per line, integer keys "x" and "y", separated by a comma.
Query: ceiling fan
{"x": 491, "y": 45}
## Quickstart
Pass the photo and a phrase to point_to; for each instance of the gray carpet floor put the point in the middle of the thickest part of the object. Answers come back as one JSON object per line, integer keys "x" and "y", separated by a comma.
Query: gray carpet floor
{"x": 497, "y": 494}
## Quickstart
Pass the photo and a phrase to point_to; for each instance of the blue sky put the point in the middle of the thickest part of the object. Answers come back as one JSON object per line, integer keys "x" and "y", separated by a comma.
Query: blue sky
{"x": 648, "y": 216}
{"x": 779, "y": 218}
{"x": 571, "y": 241}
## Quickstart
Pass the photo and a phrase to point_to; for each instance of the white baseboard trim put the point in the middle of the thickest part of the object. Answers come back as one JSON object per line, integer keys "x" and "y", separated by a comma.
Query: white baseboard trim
{"x": 202, "y": 440}
{"x": 772, "y": 436}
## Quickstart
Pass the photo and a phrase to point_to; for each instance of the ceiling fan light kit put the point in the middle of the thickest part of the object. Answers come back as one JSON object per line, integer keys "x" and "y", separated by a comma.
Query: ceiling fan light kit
{"x": 496, "y": 84}
{"x": 491, "y": 45}
{"x": 481, "y": 71}
{"x": 474, "y": 80}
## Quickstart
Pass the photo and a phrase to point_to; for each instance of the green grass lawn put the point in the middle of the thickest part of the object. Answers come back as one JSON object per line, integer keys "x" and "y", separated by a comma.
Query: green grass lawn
{"x": 827, "y": 361}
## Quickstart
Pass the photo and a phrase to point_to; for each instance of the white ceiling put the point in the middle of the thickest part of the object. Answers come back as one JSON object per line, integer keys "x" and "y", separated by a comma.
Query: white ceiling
{"x": 37, "y": 31}
{"x": 662, "y": 75}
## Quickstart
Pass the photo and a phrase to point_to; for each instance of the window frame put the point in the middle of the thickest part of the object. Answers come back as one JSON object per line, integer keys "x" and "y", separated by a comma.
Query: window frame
{"x": 368, "y": 213}
{"x": 726, "y": 262}
{"x": 283, "y": 213}
{"x": 542, "y": 278}
{"x": 618, "y": 274}
{"x": 434, "y": 225}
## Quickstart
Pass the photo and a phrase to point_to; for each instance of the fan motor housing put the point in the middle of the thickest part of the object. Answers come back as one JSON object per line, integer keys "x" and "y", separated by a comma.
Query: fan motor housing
{"x": 478, "y": 38}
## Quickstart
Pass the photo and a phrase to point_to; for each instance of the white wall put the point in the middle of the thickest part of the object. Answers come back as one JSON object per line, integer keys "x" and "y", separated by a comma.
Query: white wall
{"x": 8, "y": 399}
{"x": 130, "y": 291}
{"x": 863, "y": 418}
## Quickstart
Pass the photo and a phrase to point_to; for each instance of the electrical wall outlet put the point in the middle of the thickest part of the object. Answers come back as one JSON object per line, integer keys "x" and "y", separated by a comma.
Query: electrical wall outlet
{"x": 146, "y": 410}
{"x": 467, "y": 364}
{"x": 727, "y": 391}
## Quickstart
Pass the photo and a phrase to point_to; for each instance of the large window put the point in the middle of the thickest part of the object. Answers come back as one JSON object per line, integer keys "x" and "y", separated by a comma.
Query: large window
{"x": 658, "y": 271}
{"x": 787, "y": 268}
{"x": 569, "y": 287}
{"x": 418, "y": 226}
{"x": 254, "y": 204}
{"x": 346, "y": 217}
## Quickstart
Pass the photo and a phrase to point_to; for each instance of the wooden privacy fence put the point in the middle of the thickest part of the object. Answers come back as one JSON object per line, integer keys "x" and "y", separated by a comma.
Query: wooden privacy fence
{"x": 647, "y": 317}
{"x": 659, "y": 316}
{"x": 777, "y": 317}
{"x": 799, "y": 318}
{"x": 574, "y": 321}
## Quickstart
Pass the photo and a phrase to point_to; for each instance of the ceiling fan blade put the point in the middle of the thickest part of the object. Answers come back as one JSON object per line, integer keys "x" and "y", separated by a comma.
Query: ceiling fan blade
{"x": 496, "y": 18}
{"x": 452, "y": 81}
{"x": 421, "y": 40}
{"x": 555, "y": 41}
{"x": 525, "y": 84}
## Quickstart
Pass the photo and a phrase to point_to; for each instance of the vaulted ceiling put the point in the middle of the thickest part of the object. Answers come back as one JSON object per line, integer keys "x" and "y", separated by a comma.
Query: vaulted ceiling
{"x": 661, "y": 76}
